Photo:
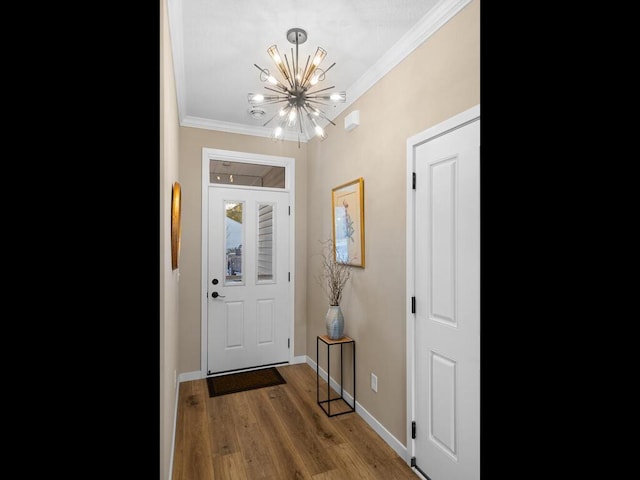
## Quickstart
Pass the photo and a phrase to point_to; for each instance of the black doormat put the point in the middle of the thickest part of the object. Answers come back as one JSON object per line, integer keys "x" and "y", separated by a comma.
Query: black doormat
{"x": 240, "y": 382}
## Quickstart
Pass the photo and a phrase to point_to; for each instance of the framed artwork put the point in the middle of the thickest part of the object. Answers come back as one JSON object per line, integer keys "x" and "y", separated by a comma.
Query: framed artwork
{"x": 347, "y": 202}
{"x": 175, "y": 225}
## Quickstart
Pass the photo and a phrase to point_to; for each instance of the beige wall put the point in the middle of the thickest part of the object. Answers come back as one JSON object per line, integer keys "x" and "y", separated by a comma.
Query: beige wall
{"x": 438, "y": 80}
{"x": 168, "y": 278}
{"x": 192, "y": 140}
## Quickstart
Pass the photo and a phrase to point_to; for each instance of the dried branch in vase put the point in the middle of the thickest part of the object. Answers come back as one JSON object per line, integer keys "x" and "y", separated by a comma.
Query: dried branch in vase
{"x": 334, "y": 274}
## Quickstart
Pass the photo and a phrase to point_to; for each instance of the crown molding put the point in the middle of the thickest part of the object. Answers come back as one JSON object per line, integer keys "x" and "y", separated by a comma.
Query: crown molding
{"x": 421, "y": 31}
{"x": 256, "y": 131}
{"x": 174, "y": 12}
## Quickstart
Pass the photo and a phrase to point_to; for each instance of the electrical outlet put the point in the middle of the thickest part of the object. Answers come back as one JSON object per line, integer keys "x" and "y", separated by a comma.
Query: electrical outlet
{"x": 374, "y": 382}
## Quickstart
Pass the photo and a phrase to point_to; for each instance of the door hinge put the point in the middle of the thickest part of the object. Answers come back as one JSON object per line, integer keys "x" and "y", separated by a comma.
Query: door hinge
{"x": 413, "y": 461}
{"x": 413, "y": 429}
{"x": 413, "y": 304}
{"x": 289, "y": 276}
{"x": 414, "y": 180}
{"x": 288, "y": 343}
{"x": 289, "y": 209}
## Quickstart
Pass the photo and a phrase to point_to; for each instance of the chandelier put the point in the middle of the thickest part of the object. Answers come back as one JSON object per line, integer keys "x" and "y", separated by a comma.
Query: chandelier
{"x": 300, "y": 110}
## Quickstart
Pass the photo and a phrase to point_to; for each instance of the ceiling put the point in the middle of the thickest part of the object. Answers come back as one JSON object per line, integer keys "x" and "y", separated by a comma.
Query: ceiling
{"x": 216, "y": 43}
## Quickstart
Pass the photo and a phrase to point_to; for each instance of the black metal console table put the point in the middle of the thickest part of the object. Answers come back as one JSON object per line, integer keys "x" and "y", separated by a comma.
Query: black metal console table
{"x": 329, "y": 343}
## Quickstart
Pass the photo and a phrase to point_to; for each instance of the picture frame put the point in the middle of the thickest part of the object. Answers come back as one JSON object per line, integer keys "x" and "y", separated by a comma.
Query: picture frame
{"x": 347, "y": 210}
{"x": 176, "y": 207}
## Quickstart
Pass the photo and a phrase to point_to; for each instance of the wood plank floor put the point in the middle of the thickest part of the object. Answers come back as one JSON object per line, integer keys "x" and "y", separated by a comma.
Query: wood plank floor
{"x": 276, "y": 433}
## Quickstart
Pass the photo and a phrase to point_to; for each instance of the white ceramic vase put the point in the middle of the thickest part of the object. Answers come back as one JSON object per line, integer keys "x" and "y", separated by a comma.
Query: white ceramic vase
{"x": 335, "y": 322}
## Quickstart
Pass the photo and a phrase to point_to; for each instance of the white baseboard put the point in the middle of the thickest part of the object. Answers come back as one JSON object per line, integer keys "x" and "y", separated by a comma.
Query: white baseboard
{"x": 392, "y": 441}
{"x": 185, "y": 377}
{"x": 386, "y": 435}
{"x": 335, "y": 385}
{"x": 299, "y": 359}
{"x": 173, "y": 436}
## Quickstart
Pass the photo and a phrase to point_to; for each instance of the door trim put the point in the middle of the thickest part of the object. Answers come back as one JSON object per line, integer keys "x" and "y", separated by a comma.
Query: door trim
{"x": 442, "y": 128}
{"x": 289, "y": 186}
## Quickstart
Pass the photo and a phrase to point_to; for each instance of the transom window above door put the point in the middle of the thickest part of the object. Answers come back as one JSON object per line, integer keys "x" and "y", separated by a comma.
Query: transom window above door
{"x": 247, "y": 174}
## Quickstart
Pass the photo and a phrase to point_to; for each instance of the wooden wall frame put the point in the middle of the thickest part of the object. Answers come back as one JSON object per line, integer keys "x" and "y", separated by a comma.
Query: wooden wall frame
{"x": 347, "y": 210}
{"x": 175, "y": 224}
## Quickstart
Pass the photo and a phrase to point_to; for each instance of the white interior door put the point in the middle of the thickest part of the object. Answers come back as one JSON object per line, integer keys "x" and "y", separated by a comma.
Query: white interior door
{"x": 248, "y": 278}
{"x": 447, "y": 304}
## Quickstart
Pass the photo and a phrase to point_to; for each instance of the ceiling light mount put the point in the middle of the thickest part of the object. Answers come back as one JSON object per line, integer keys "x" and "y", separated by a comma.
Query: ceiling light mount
{"x": 300, "y": 111}
{"x": 296, "y": 34}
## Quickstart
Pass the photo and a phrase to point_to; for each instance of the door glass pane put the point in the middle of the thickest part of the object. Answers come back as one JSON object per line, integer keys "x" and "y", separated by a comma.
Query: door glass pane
{"x": 241, "y": 173}
{"x": 234, "y": 233}
{"x": 266, "y": 247}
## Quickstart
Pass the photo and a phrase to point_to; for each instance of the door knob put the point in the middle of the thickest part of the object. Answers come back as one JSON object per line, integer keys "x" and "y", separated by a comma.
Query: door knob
{"x": 216, "y": 295}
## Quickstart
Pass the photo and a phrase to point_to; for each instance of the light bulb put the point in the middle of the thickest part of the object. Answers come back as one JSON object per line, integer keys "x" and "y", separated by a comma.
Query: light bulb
{"x": 319, "y": 56}
{"x": 292, "y": 118}
{"x": 275, "y": 55}
{"x": 277, "y": 59}
{"x": 278, "y": 132}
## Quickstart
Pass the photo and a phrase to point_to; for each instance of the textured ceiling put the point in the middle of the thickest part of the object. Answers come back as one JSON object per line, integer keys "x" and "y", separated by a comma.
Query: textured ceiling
{"x": 216, "y": 43}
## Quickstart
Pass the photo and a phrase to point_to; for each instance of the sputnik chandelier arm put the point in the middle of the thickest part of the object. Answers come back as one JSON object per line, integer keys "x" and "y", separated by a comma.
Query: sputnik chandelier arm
{"x": 299, "y": 111}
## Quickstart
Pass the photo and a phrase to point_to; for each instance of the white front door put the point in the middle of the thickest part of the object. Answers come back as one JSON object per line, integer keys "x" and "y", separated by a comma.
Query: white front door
{"x": 447, "y": 304}
{"x": 248, "y": 278}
